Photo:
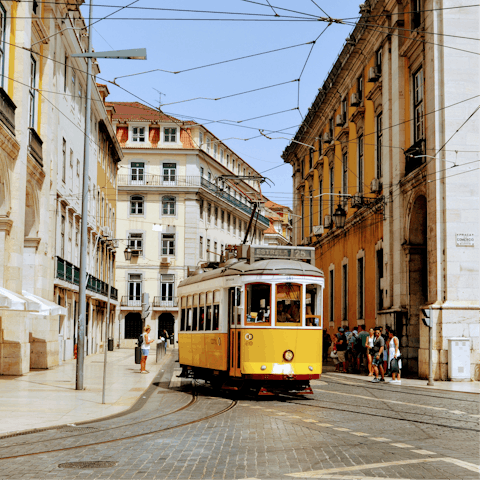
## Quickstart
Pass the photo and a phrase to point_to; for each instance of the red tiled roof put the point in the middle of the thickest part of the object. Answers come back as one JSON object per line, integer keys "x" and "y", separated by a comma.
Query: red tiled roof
{"x": 136, "y": 111}
{"x": 270, "y": 229}
{"x": 271, "y": 204}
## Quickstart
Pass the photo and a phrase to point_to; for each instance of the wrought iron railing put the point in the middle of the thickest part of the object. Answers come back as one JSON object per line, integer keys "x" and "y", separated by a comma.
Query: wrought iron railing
{"x": 70, "y": 273}
{"x": 35, "y": 144}
{"x": 131, "y": 301}
{"x": 186, "y": 181}
{"x": 7, "y": 111}
{"x": 167, "y": 302}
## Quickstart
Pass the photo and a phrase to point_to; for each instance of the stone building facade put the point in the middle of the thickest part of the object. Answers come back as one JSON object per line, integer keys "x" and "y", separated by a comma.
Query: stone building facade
{"x": 42, "y": 121}
{"x": 395, "y": 129}
{"x": 174, "y": 210}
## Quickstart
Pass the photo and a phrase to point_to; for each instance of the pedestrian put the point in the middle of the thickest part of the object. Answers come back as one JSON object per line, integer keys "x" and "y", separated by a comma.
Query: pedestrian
{"x": 145, "y": 348}
{"x": 341, "y": 351}
{"x": 377, "y": 361}
{"x": 352, "y": 350}
{"x": 369, "y": 344}
{"x": 165, "y": 337}
{"x": 326, "y": 345}
{"x": 394, "y": 360}
{"x": 385, "y": 350}
{"x": 361, "y": 346}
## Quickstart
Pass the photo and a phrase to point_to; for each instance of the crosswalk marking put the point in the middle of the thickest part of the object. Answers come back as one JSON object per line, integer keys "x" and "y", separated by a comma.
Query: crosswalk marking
{"x": 402, "y": 445}
{"x": 424, "y": 452}
{"x": 341, "y": 429}
{"x": 360, "y": 434}
{"x": 381, "y": 439}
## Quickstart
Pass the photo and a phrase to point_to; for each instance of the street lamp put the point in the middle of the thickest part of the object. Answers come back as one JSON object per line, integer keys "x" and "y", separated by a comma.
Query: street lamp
{"x": 339, "y": 216}
{"x": 138, "y": 54}
{"x": 128, "y": 254}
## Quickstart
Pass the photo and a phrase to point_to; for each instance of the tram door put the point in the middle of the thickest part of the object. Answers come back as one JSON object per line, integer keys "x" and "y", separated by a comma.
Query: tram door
{"x": 234, "y": 321}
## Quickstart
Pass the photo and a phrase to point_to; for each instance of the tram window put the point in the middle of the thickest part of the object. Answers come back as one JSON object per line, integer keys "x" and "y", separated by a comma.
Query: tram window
{"x": 289, "y": 304}
{"x": 195, "y": 323}
{"x": 258, "y": 303}
{"x": 182, "y": 322}
{"x": 216, "y": 316}
{"x": 208, "y": 323}
{"x": 189, "y": 319}
{"x": 201, "y": 317}
{"x": 313, "y": 316}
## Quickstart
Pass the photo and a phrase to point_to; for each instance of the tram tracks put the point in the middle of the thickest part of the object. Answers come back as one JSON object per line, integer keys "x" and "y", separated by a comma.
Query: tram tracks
{"x": 193, "y": 401}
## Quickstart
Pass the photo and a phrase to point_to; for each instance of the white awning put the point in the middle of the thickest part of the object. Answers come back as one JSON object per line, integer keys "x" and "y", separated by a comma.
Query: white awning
{"x": 15, "y": 301}
{"x": 45, "y": 307}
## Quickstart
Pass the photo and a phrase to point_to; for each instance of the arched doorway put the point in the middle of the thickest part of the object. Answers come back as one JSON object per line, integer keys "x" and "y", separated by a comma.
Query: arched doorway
{"x": 417, "y": 282}
{"x": 133, "y": 325}
{"x": 166, "y": 321}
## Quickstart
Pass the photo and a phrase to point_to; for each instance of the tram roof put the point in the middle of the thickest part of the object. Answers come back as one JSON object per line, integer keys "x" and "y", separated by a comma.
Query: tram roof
{"x": 262, "y": 267}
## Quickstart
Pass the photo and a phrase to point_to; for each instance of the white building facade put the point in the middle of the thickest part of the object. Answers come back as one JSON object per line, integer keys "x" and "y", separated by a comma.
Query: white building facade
{"x": 174, "y": 210}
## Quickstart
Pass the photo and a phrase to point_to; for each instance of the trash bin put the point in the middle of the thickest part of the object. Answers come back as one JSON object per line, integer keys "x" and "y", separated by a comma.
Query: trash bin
{"x": 110, "y": 344}
{"x": 172, "y": 340}
{"x": 138, "y": 355}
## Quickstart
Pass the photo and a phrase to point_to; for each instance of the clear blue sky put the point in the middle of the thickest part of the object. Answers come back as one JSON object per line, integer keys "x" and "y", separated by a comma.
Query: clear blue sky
{"x": 183, "y": 44}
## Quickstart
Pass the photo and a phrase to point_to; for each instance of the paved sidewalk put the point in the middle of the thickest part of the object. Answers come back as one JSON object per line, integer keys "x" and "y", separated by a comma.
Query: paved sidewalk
{"x": 463, "y": 387}
{"x": 45, "y": 398}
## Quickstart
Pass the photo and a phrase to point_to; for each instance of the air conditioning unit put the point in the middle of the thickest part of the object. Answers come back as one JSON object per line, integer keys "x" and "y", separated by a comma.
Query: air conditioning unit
{"x": 357, "y": 200}
{"x": 327, "y": 138}
{"x": 327, "y": 221}
{"x": 354, "y": 100}
{"x": 318, "y": 230}
{"x": 340, "y": 120}
{"x": 376, "y": 185}
{"x": 373, "y": 74}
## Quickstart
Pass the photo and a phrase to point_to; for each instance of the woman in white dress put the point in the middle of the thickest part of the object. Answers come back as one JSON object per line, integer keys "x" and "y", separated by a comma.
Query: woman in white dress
{"x": 394, "y": 352}
{"x": 369, "y": 344}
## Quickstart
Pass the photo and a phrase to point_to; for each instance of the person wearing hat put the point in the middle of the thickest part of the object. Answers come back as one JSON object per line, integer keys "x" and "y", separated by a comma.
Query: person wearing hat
{"x": 341, "y": 349}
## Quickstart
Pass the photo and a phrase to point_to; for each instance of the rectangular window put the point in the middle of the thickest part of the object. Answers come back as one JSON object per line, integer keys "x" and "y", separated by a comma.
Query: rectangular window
{"x": 64, "y": 160}
{"x": 332, "y": 190}
{"x": 137, "y": 173}
{"x": 378, "y": 142}
{"x": 311, "y": 209}
{"x": 228, "y": 222}
{"x": 345, "y": 292}
{"x": 170, "y": 135}
{"x": 418, "y": 114}
{"x": 136, "y": 205}
{"x": 200, "y": 247}
{"x": 62, "y": 238}
{"x": 360, "y": 166}
{"x": 361, "y": 287}
{"x": 167, "y": 286}
{"x": 222, "y": 219}
{"x": 310, "y": 158}
{"x": 138, "y": 134}
{"x": 209, "y": 257}
{"x": 320, "y": 147}
{"x": 345, "y": 175}
{"x": 134, "y": 291}
{"x": 215, "y": 150}
{"x": 344, "y": 109}
{"x": 288, "y": 304}
{"x": 168, "y": 244}
{"x": 416, "y": 14}
{"x": 215, "y": 246}
{"x": 135, "y": 242}
{"x": 201, "y": 209}
{"x": 234, "y": 228}
{"x": 216, "y": 216}
{"x": 380, "y": 279}
{"x": 378, "y": 60}
{"x": 258, "y": 304}
{"x": 360, "y": 87}
{"x": 200, "y": 139}
{"x": 208, "y": 144}
{"x": 168, "y": 205}
{"x": 169, "y": 173}
{"x": 331, "y": 296}
{"x": 2, "y": 42}
{"x": 320, "y": 202}
{"x": 32, "y": 92}
{"x": 331, "y": 129}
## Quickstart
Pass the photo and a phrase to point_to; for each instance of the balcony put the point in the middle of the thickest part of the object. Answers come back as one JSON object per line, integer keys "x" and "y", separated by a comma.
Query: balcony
{"x": 35, "y": 146}
{"x": 150, "y": 180}
{"x": 7, "y": 111}
{"x": 165, "y": 302}
{"x": 415, "y": 156}
{"x": 71, "y": 274}
{"x": 131, "y": 301}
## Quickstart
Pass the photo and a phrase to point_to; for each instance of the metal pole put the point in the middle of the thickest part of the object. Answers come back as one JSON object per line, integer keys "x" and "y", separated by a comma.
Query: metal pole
{"x": 107, "y": 321}
{"x": 84, "y": 237}
{"x": 430, "y": 351}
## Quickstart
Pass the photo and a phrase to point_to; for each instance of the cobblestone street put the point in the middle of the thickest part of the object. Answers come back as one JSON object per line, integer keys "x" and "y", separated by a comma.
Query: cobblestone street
{"x": 348, "y": 429}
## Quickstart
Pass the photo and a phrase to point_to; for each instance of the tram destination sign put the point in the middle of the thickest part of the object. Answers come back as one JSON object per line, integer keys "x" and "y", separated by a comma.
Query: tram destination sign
{"x": 258, "y": 252}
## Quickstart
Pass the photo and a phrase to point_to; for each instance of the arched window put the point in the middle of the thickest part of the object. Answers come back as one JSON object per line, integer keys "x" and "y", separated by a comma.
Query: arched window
{"x": 168, "y": 205}
{"x": 136, "y": 205}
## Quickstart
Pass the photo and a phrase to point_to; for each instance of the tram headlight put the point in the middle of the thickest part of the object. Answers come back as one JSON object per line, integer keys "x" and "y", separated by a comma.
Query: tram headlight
{"x": 288, "y": 355}
{"x": 310, "y": 368}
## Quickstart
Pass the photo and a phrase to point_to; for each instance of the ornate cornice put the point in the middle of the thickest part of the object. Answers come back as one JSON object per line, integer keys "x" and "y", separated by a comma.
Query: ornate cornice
{"x": 5, "y": 224}
{"x": 35, "y": 171}
{"x": 8, "y": 142}
{"x": 358, "y": 114}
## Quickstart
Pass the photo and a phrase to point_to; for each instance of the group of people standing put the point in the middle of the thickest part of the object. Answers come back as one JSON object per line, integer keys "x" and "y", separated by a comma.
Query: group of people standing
{"x": 357, "y": 348}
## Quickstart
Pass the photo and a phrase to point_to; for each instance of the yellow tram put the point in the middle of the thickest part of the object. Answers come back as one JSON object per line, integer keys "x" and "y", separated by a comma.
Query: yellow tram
{"x": 254, "y": 321}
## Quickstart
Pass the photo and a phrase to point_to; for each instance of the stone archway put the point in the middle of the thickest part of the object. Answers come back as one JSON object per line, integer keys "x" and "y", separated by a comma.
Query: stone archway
{"x": 166, "y": 321}
{"x": 416, "y": 249}
{"x": 133, "y": 325}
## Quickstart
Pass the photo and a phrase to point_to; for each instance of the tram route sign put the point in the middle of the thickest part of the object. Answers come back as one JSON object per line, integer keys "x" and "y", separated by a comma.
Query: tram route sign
{"x": 258, "y": 252}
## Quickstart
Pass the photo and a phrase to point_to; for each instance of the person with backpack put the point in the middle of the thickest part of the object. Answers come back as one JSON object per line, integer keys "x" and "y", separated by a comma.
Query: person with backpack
{"x": 164, "y": 339}
{"x": 144, "y": 343}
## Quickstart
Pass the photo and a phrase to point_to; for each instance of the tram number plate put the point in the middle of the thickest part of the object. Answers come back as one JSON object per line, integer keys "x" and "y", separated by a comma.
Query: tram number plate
{"x": 288, "y": 253}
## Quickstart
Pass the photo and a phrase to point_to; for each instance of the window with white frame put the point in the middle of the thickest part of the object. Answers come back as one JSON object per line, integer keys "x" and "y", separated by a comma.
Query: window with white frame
{"x": 215, "y": 149}
{"x": 208, "y": 144}
{"x": 221, "y": 156}
{"x": 168, "y": 244}
{"x": 360, "y": 166}
{"x": 167, "y": 288}
{"x": 361, "y": 288}
{"x": 138, "y": 134}
{"x": 134, "y": 289}
{"x": 64, "y": 160}
{"x": 170, "y": 135}
{"x": 418, "y": 113}
{"x": 135, "y": 242}
{"x": 200, "y": 139}
{"x": 201, "y": 172}
{"x": 209, "y": 257}
{"x": 200, "y": 247}
{"x": 169, "y": 172}
{"x": 136, "y": 205}
{"x": 209, "y": 212}
{"x": 222, "y": 219}
{"x": 168, "y": 205}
